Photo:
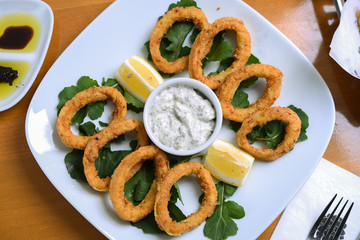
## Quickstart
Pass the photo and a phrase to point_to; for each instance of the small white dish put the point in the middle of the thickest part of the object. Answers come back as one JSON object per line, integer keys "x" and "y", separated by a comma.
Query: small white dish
{"x": 33, "y": 59}
{"x": 198, "y": 86}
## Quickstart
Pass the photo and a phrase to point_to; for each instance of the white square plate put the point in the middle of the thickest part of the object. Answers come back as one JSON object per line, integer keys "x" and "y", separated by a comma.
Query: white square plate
{"x": 119, "y": 33}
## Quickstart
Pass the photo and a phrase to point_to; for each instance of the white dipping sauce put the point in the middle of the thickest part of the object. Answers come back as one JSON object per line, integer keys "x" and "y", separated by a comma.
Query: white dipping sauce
{"x": 181, "y": 118}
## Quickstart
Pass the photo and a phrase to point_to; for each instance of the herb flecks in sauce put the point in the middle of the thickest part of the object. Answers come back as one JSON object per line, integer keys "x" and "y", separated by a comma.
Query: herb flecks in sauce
{"x": 8, "y": 87}
{"x": 181, "y": 118}
{"x": 8, "y": 75}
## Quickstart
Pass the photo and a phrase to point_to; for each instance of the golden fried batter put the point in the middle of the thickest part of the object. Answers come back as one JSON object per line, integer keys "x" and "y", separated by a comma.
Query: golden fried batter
{"x": 227, "y": 90}
{"x": 208, "y": 203}
{"x": 98, "y": 141}
{"x": 261, "y": 117}
{"x": 123, "y": 207}
{"x": 178, "y": 14}
{"x": 71, "y": 107}
{"x": 202, "y": 44}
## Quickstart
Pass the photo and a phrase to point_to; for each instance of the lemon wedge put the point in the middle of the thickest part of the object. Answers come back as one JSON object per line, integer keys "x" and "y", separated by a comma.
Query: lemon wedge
{"x": 228, "y": 163}
{"x": 138, "y": 77}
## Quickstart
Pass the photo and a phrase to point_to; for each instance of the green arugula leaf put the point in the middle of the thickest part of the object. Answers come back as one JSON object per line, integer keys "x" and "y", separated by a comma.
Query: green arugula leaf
{"x": 304, "y": 122}
{"x": 235, "y": 126}
{"x": 229, "y": 190}
{"x": 175, "y": 194}
{"x": 220, "y": 49}
{"x": 223, "y": 65}
{"x": 274, "y": 131}
{"x": 248, "y": 82}
{"x": 194, "y": 34}
{"x": 175, "y": 190}
{"x": 175, "y": 213}
{"x": 74, "y": 166}
{"x": 65, "y": 95}
{"x": 108, "y": 160}
{"x": 103, "y": 124}
{"x": 147, "y": 174}
{"x": 225, "y": 190}
{"x": 176, "y": 36}
{"x": 133, "y": 104}
{"x": 240, "y": 99}
{"x": 133, "y": 145}
{"x": 162, "y": 46}
{"x": 220, "y": 225}
{"x": 79, "y": 116}
{"x": 183, "y": 3}
{"x": 234, "y": 210}
{"x": 95, "y": 110}
{"x": 86, "y": 82}
{"x": 137, "y": 187}
{"x": 148, "y": 225}
{"x": 87, "y": 129}
{"x": 68, "y": 93}
{"x": 111, "y": 82}
{"x": 223, "y": 51}
{"x": 253, "y": 60}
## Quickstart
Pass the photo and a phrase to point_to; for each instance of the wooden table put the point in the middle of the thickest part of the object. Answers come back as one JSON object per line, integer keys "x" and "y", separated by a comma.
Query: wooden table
{"x": 31, "y": 208}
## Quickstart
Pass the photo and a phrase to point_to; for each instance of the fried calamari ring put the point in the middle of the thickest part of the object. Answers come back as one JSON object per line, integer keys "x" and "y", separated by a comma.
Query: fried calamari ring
{"x": 123, "y": 207}
{"x": 99, "y": 140}
{"x": 200, "y": 48}
{"x": 81, "y": 99}
{"x": 178, "y": 14}
{"x": 261, "y": 117}
{"x": 206, "y": 209}
{"x": 227, "y": 90}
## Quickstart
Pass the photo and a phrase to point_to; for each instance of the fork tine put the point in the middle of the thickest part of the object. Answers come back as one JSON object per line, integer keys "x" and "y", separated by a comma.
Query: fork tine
{"x": 342, "y": 224}
{"x": 335, "y": 221}
{"x": 329, "y": 218}
{"x": 313, "y": 229}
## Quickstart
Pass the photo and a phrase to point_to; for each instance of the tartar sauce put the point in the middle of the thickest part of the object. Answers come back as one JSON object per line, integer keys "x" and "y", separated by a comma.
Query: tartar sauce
{"x": 181, "y": 118}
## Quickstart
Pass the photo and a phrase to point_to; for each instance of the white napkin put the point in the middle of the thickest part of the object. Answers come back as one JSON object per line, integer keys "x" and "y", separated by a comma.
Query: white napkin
{"x": 302, "y": 212}
{"x": 345, "y": 45}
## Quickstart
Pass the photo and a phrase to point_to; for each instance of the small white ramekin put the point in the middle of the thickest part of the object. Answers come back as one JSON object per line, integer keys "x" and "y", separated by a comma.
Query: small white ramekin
{"x": 199, "y": 86}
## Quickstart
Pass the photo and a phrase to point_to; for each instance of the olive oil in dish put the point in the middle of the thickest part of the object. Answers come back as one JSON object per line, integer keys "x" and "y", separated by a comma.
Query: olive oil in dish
{"x": 19, "y": 32}
{"x": 22, "y": 67}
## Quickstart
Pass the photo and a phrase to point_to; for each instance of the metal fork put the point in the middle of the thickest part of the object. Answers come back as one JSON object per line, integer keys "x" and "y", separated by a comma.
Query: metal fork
{"x": 329, "y": 226}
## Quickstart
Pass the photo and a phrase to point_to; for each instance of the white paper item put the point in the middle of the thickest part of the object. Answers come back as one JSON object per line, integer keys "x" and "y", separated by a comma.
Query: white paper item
{"x": 345, "y": 45}
{"x": 302, "y": 212}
